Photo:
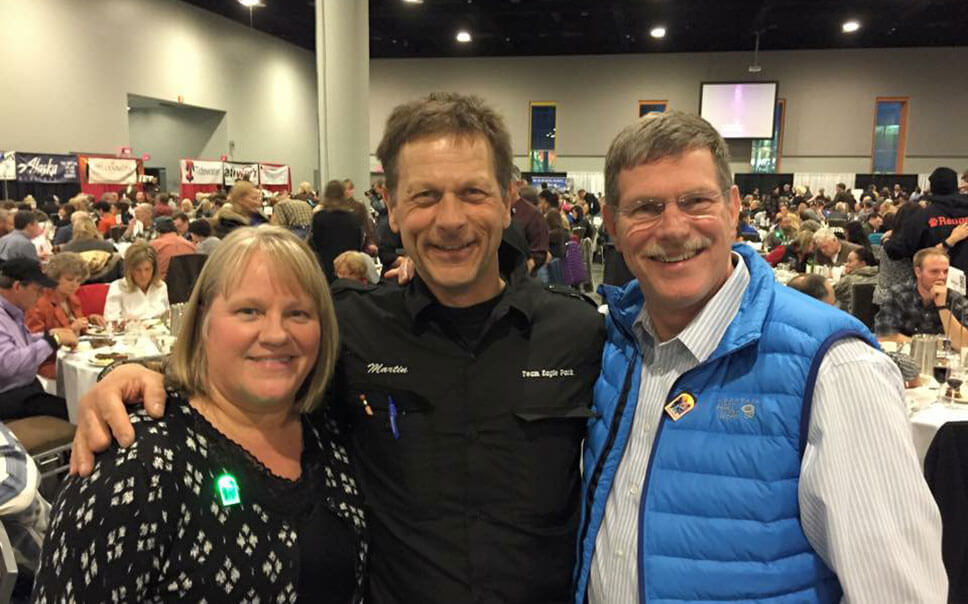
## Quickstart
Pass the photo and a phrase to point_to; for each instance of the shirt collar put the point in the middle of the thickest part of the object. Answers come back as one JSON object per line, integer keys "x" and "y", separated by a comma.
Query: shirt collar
{"x": 14, "y": 311}
{"x": 704, "y": 332}
{"x": 418, "y": 298}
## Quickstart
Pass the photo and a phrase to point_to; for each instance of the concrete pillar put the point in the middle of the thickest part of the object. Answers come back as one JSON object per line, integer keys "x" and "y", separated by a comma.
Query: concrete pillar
{"x": 343, "y": 91}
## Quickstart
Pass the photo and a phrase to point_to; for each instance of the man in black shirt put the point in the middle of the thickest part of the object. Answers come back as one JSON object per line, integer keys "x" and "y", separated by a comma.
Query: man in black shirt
{"x": 466, "y": 392}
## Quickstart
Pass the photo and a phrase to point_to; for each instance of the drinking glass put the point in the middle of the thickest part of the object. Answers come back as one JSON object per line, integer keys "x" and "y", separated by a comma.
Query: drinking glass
{"x": 940, "y": 372}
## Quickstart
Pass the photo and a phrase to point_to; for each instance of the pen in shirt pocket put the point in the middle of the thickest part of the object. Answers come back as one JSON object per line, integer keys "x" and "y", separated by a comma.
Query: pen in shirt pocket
{"x": 392, "y": 409}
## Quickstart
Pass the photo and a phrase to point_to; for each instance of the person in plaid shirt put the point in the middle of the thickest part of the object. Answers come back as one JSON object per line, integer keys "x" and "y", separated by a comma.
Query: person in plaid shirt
{"x": 928, "y": 307}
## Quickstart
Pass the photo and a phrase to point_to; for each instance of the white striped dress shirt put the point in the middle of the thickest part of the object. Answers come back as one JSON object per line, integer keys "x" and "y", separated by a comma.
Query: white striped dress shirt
{"x": 864, "y": 504}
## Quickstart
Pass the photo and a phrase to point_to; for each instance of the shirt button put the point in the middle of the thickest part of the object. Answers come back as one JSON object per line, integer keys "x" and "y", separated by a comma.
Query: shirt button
{"x": 633, "y": 490}
{"x": 620, "y": 554}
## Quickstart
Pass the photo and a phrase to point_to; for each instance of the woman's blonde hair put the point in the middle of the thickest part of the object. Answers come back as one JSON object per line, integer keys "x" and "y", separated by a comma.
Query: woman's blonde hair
{"x": 67, "y": 263}
{"x": 136, "y": 255}
{"x": 84, "y": 229}
{"x": 351, "y": 263}
{"x": 240, "y": 189}
{"x": 293, "y": 261}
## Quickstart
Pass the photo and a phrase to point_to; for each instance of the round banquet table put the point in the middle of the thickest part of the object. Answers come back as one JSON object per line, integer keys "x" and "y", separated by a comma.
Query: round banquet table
{"x": 76, "y": 374}
{"x": 929, "y": 415}
{"x": 926, "y": 423}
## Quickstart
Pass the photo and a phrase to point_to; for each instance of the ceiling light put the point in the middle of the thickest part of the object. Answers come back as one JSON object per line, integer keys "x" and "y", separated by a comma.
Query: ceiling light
{"x": 850, "y": 27}
{"x": 657, "y": 32}
{"x": 250, "y": 3}
{"x": 413, "y": 1}
{"x": 463, "y": 36}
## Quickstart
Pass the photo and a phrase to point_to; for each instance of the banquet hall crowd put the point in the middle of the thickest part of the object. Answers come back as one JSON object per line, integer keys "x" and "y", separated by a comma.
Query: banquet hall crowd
{"x": 411, "y": 398}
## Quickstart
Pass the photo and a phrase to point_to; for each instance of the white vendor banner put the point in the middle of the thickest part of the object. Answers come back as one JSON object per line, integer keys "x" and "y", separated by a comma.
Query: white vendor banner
{"x": 8, "y": 166}
{"x": 273, "y": 174}
{"x": 232, "y": 171}
{"x": 112, "y": 171}
{"x": 201, "y": 172}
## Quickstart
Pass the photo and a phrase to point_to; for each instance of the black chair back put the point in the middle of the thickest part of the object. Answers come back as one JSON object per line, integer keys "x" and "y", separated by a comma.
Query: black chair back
{"x": 862, "y": 303}
{"x": 183, "y": 271}
{"x": 946, "y": 472}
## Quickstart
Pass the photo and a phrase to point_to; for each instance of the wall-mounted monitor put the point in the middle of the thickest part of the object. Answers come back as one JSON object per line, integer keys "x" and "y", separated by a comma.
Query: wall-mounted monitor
{"x": 739, "y": 109}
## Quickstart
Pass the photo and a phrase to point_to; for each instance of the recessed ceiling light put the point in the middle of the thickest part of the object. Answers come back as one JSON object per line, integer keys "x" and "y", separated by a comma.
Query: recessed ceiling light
{"x": 463, "y": 36}
{"x": 413, "y": 1}
{"x": 657, "y": 32}
{"x": 250, "y": 3}
{"x": 850, "y": 27}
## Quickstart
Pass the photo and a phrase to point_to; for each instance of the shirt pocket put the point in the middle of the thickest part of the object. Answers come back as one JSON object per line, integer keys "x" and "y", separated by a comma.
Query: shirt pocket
{"x": 548, "y": 449}
{"x": 396, "y": 442}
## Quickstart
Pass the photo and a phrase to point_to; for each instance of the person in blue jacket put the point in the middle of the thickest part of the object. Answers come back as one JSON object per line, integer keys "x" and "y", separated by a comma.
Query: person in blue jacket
{"x": 749, "y": 443}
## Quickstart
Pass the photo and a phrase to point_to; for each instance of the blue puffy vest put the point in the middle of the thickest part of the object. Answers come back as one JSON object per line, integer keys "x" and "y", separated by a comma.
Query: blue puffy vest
{"x": 719, "y": 514}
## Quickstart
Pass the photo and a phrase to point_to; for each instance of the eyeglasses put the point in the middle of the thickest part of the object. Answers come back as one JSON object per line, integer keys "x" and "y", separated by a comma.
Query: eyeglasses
{"x": 694, "y": 205}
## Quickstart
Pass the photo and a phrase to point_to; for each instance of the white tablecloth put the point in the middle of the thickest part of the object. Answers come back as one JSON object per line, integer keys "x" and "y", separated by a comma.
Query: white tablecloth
{"x": 926, "y": 423}
{"x": 76, "y": 375}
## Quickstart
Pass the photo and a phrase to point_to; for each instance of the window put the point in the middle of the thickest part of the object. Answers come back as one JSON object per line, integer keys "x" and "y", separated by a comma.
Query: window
{"x": 890, "y": 129}
{"x": 543, "y": 136}
{"x": 652, "y": 107}
{"x": 765, "y": 156}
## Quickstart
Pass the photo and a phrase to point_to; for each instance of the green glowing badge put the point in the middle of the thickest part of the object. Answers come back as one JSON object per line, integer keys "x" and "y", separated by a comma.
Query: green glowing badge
{"x": 228, "y": 489}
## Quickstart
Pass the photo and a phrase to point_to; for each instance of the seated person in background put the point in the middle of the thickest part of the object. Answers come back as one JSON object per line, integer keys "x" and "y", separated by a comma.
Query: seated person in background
{"x": 23, "y": 511}
{"x": 351, "y": 266}
{"x": 181, "y": 220}
{"x": 141, "y": 294}
{"x": 784, "y": 232}
{"x": 142, "y": 227}
{"x": 85, "y": 237}
{"x": 831, "y": 250}
{"x": 59, "y": 306}
{"x": 924, "y": 307}
{"x": 839, "y": 213}
{"x": 107, "y": 212}
{"x": 797, "y": 253}
{"x": 18, "y": 244}
{"x": 238, "y": 491}
{"x": 169, "y": 244}
{"x": 861, "y": 267}
{"x": 187, "y": 208}
{"x": 746, "y": 229}
{"x": 200, "y": 232}
{"x": 814, "y": 285}
{"x": 21, "y": 352}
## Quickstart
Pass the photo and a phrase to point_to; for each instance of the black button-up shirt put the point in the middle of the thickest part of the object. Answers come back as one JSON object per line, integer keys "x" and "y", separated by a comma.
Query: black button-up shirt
{"x": 467, "y": 454}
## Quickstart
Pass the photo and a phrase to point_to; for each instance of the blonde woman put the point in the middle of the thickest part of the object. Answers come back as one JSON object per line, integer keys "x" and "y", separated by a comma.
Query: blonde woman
{"x": 87, "y": 238}
{"x": 140, "y": 294}
{"x": 233, "y": 495}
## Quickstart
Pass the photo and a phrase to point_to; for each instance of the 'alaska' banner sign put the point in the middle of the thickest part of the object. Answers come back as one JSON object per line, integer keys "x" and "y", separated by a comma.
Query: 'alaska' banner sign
{"x": 201, "y": 172}
{"x": 46, "y": 168}
{"x": 232, "y": 172}
{"x": 112, "y": 171}
{"x": 8, "y": 166}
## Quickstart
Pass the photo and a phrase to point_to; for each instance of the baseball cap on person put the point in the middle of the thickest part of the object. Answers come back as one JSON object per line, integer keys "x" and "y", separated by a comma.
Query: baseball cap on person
{"x": 26, "y": 271}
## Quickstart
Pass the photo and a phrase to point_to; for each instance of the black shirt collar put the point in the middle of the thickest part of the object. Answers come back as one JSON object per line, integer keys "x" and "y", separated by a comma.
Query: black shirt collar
{"x": 516, "y": 298}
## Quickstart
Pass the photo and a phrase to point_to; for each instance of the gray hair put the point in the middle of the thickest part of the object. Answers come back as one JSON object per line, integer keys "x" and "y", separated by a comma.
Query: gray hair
{"x": 823, "y": 234}
{"x": 658, "y": 136}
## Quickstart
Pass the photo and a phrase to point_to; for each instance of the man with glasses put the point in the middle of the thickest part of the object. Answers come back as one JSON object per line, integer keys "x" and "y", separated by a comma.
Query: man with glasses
{"x": 733, "y": 455}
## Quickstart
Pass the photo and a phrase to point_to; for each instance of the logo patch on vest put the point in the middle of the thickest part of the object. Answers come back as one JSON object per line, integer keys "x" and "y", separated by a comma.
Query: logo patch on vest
{"x": 731, "y": 408}
{"x": 681, "y": 405}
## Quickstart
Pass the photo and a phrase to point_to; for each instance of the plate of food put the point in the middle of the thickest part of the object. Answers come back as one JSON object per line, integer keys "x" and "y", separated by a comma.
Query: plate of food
{"x": 103, "y": 359}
